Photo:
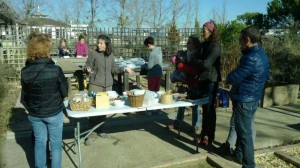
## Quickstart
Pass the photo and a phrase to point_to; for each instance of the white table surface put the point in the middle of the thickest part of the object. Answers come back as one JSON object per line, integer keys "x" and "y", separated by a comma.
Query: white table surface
{"x": 98, "y": 112}
{"x": 127, "y": 109}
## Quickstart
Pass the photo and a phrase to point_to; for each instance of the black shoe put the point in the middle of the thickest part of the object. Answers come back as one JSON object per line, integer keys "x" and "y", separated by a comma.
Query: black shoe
{"x": 237, "y": 160}
{"x": 225, "y": 150}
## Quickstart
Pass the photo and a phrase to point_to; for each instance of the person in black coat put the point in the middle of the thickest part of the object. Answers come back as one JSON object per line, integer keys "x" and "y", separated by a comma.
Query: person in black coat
{"x": 44, "y": 88}
{"x": 209, "y": 75}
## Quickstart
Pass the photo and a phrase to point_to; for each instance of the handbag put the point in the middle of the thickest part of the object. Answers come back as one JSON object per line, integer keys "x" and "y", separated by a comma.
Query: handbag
{"x": 223, "y": 98}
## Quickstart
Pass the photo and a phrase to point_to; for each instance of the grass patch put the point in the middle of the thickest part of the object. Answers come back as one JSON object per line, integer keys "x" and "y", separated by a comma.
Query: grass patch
{"x": 7, "y": 97}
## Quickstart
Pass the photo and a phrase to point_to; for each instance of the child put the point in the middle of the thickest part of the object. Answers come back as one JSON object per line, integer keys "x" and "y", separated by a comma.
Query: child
{"x": 81, "y": 48}
{"x": 63, "y": 49}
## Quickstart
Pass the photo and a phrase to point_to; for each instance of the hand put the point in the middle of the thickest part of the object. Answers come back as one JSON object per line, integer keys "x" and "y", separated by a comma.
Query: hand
{"x": 180, "y": 65}
{"x": 129, "y": 70}
{"x": 90, "y": 70}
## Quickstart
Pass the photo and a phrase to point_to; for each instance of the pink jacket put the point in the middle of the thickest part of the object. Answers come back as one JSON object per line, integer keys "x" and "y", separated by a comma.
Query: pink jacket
{"x": 81, "y": 49}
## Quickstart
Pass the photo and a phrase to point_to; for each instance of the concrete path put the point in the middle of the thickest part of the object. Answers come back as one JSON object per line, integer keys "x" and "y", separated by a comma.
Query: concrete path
{"x": 137, "y": 140}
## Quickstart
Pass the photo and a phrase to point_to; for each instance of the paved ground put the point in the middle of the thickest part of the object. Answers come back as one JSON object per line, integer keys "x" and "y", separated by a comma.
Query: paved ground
{"x": 137, "y": 140}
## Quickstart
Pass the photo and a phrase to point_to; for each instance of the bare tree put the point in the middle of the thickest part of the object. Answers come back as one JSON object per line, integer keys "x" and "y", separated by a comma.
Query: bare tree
{"x": 189, "y": 13}
{"x": 177, "y": 9}
{"x": 80, "y": 12}
{"x": 25, "y": 8}
{"x": 64, "y": 11}
{"x": 138, "y": 12}
{"x": 117, "y": 12}
{"x": 220, "y": 16}
{"x": 196, "y": 9}
{"x": 158, "y": 13}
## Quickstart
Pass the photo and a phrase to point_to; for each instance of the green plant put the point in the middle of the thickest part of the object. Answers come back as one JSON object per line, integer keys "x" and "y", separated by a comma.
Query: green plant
{"x": 173, "y": 35}
{"x": 6, "y": 98}
{"x": 284, "y": 59}
{"x": 229, "y": 35}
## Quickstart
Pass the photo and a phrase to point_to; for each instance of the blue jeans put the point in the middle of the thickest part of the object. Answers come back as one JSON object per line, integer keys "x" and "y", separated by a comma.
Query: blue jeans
{"x": 195, "y": 116}
{"x": 244, "y": 116}
{"x": 42, "y": 128}
{"x": 231, "y": 139}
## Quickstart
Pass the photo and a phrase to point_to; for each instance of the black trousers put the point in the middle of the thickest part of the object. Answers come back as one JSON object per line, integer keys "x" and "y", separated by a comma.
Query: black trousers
{"x": 209, "y": 113}
{"x": 80, "y": 78}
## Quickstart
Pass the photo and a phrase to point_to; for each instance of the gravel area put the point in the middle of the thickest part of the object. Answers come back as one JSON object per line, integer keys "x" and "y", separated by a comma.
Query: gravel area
{"x": 271, "y": 161}
{"x": 294, "y": 152}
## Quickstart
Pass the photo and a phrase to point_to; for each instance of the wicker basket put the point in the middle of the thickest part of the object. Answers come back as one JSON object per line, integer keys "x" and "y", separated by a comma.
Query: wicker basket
{"x": 80, "y": 106}
{"x": 136, "y": 101}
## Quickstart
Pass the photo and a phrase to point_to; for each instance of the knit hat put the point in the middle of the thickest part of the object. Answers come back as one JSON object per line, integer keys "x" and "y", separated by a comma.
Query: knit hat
{"x": 210, "y": 26}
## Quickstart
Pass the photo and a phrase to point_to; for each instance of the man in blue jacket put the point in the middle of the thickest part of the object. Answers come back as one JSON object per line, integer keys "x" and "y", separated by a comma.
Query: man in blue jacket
{"x": 248, "y": 81}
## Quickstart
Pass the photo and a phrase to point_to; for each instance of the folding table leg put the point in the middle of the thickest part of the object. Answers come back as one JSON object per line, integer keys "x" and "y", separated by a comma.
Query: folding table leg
{"x": 78, "y": 139}
{"x": 196, "y": 139}
{"x": 179, "y": 127}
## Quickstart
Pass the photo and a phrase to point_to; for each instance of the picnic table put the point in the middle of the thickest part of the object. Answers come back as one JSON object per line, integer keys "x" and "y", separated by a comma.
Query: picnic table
{"x": 68, "y": 68}
{"x": 71, "y": 65}
{"x": 112, "y": 110}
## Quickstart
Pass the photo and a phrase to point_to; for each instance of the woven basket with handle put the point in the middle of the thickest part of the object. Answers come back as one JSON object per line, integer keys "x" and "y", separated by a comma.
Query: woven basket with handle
{"x": 136, "y": 100}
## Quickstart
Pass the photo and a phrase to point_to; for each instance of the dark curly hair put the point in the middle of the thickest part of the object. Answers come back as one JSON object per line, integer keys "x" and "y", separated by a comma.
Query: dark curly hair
{"x": 214, "y": 34}
{"x": 108, "y": 44}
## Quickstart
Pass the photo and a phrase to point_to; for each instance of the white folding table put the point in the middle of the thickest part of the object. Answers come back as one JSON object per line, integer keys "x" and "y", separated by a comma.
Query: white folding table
{"x": 112, "y": 110}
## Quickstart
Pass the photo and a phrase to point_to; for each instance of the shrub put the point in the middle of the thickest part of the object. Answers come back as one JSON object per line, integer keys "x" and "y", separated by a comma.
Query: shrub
{"x": 6, "y": 99}
{"x": 284, "y": 56}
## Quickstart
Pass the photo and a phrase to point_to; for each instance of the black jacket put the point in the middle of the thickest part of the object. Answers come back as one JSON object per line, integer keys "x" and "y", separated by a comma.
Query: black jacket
{"x": 209, "y": 62}
{"x": 44, "y": 87}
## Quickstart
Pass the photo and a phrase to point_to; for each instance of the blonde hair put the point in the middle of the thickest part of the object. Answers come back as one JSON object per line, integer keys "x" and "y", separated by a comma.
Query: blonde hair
{"x": 38, "y": 46}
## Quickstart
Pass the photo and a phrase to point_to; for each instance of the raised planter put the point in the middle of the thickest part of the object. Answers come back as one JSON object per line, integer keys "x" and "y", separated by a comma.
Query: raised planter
{"x": 280, "y": 95}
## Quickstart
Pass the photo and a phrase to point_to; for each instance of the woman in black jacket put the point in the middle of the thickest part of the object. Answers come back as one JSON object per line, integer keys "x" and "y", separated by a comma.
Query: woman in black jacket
{"x": 209, "y": 76}
{"x": 44, "y": 87}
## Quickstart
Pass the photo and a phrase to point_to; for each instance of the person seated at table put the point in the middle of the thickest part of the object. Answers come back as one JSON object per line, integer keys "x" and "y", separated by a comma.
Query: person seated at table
{"x": 81, "y": 51}
{"x": 154, "y": 66}
{"x": 191, "y": 70}
{"x": 101, "y": 65}
{"x": 81, "y": 48}
{"x": 63, "y": 49}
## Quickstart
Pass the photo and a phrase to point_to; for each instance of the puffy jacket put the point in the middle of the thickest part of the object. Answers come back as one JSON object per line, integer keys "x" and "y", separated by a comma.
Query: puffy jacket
{"x": 103, "y": 67}
{"x": 44, "y": 87}
{"x": 248, "y": 79}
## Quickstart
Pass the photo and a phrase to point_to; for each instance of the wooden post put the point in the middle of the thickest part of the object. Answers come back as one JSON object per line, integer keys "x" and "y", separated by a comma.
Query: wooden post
{"x": 167, "y": 79}
{"x": 126, "y": 81}
{"x": 138, "y": 80}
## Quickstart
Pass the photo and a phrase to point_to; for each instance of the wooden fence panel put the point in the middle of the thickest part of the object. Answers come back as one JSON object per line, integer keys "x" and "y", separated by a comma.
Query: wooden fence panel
{"x": 127, "y": 42}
